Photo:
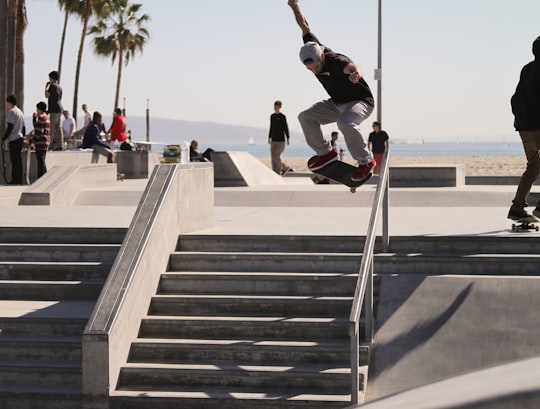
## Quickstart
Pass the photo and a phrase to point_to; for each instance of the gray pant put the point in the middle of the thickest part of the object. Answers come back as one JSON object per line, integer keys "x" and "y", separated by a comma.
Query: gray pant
{"x": 348, "y": 118}
{"x": 57, "y": 134}
{"x": 531, "y": 145}
{"x": 276, "y": 149}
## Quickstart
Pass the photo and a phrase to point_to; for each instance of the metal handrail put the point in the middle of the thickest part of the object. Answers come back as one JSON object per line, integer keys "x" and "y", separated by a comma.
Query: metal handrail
{"x": 364, "y": 286}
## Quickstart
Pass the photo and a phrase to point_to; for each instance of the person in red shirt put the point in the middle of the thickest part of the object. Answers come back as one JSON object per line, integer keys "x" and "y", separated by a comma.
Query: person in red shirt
{"x": 117, "y": 131}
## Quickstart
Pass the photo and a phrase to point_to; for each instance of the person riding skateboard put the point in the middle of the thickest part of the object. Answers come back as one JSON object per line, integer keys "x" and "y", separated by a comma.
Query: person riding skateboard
{"x": 350, "y": 103}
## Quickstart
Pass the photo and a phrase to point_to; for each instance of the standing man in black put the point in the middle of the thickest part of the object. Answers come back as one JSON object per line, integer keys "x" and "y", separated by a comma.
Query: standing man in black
{"x": 53, "y": 93}
{"x": 378, "y": 143}
{"x": 526, "y": 109}
{"x": 278, "y": 134}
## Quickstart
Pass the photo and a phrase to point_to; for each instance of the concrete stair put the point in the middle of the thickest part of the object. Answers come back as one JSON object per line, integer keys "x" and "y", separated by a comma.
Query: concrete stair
{"x": 50, "y": 280}
{"x": 247, "y": 322}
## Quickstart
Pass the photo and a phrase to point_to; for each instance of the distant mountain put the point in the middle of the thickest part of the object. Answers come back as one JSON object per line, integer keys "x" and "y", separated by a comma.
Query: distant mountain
{"x": 207, "y": 133}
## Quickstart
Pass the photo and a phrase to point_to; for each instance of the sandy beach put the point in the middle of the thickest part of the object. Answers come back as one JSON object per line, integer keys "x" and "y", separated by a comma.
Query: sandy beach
{"x": 474, "y": 165}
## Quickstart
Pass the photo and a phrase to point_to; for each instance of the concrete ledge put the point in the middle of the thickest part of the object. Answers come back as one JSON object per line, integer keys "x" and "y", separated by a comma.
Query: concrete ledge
{"x": 61, "y": 185}
{"x": 133, "y": 164}
{"x": 178, "y": 199}
{"x": 427, "y": 176}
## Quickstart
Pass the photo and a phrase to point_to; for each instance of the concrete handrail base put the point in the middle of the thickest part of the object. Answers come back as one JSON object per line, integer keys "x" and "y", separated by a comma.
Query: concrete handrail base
{"x": 178, "y": 199}
{"x": 61, "y": 185}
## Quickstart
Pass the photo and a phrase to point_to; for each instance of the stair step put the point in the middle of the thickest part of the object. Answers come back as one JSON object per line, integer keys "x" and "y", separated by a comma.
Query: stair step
{"x": 57, "y": 348}
{"x": 436, "y": 264}
{"x": 43, "y": 270}
{"x": 225, "y": 398}
{"x": 302, "y": 284}
{"x": 150, "y": 350}
{"x": 309, "y": 378}
{"x": 49, "y": 290}
{"x": 59, "y": 252}
{"x": 233, "y": 327}
{"x": 274, "y": 262}
{"x": 272, "y": 243}
{"x": 40, "y": 373}
{"x": 71, "y": 235}
{"x": 40, "y": 397}
{"x": 205, "y": 304}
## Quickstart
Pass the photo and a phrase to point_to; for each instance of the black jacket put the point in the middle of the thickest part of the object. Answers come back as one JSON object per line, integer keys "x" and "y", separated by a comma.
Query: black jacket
{"x": 526, "y": 100}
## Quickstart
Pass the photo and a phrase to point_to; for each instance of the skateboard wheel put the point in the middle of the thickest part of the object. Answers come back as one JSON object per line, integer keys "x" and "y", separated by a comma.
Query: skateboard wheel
{"x": 353, "y": 190}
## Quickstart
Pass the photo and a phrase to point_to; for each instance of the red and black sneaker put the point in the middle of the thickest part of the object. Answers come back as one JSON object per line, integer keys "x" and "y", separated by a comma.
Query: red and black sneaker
{"x": 323, "y": 160}
{"x": 363, "y": 171}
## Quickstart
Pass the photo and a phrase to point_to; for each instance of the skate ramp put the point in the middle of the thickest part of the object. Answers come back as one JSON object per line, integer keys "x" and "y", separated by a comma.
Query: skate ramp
{"x": 243, "y": 169}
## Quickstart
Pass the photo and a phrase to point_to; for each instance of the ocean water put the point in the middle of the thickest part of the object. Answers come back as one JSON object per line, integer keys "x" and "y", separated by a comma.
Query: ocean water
{"x": 301, "y": 150}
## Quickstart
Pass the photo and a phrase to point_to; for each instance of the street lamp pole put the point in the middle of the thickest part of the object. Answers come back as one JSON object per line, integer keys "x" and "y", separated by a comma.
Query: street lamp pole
{"x": 379, "y": 66}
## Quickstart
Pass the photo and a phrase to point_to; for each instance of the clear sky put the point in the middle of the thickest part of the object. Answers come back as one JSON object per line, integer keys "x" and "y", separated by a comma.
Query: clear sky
{"x": 449, "y": 67}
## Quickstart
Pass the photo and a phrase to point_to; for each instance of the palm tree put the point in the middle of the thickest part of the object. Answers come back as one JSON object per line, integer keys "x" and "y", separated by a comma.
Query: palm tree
{"x": 99, "y": 8}
{"x": 3, "y": 59}
{"x": 21, "y": 25}
{"x": 69, "y": 7}
{"x": 121, "y": 35}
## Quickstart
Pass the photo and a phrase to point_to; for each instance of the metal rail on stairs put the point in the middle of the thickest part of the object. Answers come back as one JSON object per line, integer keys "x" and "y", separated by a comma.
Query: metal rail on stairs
{"x": 363, "y": 294}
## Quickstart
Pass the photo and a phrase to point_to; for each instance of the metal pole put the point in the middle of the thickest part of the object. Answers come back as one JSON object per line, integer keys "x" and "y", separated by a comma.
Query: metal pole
{"x": 148, "y": 123}
{"x": 379, "y": 66}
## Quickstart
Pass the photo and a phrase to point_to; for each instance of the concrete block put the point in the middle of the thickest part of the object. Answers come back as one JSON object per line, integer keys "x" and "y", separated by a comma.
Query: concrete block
{"x": 61, "y": 185}
{"x": 427, "y": 176}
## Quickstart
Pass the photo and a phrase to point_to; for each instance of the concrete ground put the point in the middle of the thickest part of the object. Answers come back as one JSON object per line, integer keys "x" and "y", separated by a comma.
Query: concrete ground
{"x": 425, "y": 322}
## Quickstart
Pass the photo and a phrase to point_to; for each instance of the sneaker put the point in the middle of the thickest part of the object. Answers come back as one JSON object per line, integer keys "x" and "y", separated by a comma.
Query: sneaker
{"x": 323, "y": 160}
{"x": 520, "y": 215}
{"x": 363, "y": 171}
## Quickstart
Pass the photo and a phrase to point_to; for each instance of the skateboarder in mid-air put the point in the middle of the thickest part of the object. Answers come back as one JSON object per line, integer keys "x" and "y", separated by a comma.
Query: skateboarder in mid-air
{"x": 351, "y": 101}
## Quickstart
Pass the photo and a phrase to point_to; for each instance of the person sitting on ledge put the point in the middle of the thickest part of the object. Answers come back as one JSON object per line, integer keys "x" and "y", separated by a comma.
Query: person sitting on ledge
{"x": 196, "y": 156}
{"x": 92, "y": 139}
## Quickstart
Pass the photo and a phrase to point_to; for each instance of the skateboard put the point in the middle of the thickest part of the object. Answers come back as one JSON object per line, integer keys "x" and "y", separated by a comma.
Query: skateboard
{"x": 339, "y": 172}
{"x": 525, "y": 225}
{"x": 27, "y": 145}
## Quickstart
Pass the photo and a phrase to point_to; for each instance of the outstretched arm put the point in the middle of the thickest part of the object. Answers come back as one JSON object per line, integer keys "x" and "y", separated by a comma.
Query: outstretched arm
{"x": 299, "y": 16}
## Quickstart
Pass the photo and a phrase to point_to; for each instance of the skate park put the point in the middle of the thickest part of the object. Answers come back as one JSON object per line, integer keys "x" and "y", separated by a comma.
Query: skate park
{"x": 455, "y": 291}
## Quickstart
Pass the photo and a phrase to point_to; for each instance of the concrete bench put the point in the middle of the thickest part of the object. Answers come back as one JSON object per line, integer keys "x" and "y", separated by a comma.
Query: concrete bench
{"x": 133, "y": 164}
{"x": 427, "y": 176}
{"x": 61, "y": 185}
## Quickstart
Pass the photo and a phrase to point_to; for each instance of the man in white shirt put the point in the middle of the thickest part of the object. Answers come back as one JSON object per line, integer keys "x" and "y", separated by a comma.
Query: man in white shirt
{"x": 68, "y": 125}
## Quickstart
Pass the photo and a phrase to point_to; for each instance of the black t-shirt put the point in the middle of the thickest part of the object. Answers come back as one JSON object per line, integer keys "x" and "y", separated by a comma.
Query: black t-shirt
{"x": 378, "y": 140}
{"x": 335, "y": 82}
{"x": 526, "y": 99}
{"x": 278, "y": 127}
{"x": 55, "y": 99}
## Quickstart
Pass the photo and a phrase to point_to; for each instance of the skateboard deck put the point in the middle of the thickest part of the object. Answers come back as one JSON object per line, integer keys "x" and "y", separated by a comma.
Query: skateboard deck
{"x": 339, "y": 172}
{"x": 526, "y": 224}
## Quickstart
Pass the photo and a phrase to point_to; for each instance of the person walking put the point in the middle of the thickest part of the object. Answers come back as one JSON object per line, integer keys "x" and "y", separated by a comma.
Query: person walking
{"x": 350, "y": 103}
{"x": 53, "y": 93}
{"x": 40, "y": 136}
{"x": 378, "y": 144}
{"x": 14, "y": 135}
{"x": 278, "y": 135}
{"x": 526, "y": 109}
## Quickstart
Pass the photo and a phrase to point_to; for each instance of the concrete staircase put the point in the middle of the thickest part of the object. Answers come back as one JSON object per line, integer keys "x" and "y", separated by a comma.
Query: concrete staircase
{"x": 50, "y": 279}
{"x": 247, "y": 322}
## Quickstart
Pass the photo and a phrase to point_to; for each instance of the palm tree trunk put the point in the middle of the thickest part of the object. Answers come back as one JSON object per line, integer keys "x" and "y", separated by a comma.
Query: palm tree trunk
{"x": 22, "y": 23}
{"x": 118, "y": 77}
{"x": 86, "y": 18}
{"x": 11, "y": 36}
{"x": 3, "y": 60}
{"x": 62, "y": 42}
